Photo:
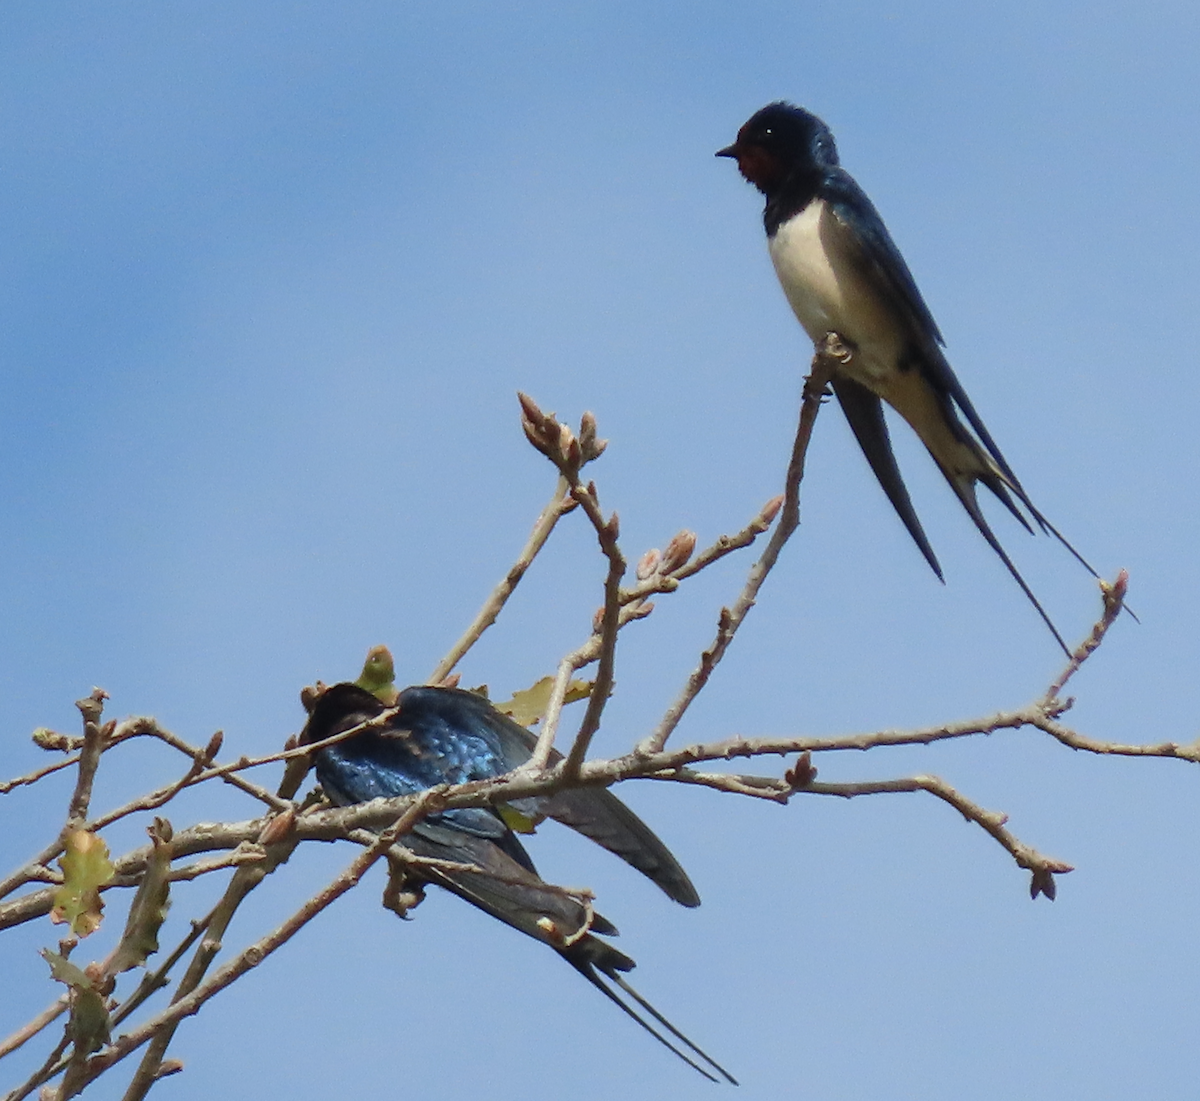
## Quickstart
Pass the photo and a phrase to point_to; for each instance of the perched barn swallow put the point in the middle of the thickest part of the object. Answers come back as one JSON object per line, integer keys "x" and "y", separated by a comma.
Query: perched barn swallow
{"x": 444, "y": 735}
{"x": 842, "y": 273}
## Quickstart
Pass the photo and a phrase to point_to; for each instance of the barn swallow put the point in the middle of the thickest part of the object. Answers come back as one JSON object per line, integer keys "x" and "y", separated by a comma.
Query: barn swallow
{"x": 842, "y": 273}
{"x": 445, "y": 735}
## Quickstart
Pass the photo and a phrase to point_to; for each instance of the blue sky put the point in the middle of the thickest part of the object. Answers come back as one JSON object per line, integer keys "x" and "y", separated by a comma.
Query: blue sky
{"x": 272, "y": 276}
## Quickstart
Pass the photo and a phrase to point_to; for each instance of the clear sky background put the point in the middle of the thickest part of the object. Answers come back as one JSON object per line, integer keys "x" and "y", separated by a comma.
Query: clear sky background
{"x": 272, "y": 274}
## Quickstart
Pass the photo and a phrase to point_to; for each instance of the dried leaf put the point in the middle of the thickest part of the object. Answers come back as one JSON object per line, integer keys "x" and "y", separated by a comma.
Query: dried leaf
{"x": 529, "y": 706}
{"x": 86, "y": 868}
{"x": 149, "y": 908}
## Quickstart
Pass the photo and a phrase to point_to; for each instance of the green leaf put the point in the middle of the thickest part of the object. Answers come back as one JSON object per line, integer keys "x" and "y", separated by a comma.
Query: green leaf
{"x": 86, "y": 868}
{"x": 64, "y": 971}
{"x": 90, "y": 1024}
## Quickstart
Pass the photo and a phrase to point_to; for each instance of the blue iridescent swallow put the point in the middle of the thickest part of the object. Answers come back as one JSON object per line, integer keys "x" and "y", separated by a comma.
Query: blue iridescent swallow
{"x": 445, "y": 735}
{"x": 842, "y": 273}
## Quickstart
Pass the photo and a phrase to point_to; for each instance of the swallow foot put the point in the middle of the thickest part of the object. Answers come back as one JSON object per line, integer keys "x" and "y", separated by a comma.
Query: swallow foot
{"x": 835, "y": 346}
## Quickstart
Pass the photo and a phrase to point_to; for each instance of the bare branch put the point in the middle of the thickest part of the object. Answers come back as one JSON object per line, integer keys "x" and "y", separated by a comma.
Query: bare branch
{"x": 244, "y": 880}
{"x": 758, "y": 787}
{"x": 164, "y": 795}
{"x": 91, "y": 708}
{"x": 27, "y": 1031}
{"x": 1188, "y": 752}
{"x": 570, "y": 453}
{"x": 667, "y": 581}
{"x": 33, "y": 777}
{"x": 1042, "y": 868}
{"x": 559, "y": 504}
{"x": 824, "y": 365}
{"x": 164, "y": 1023}
{"x": 46, "y": 1071}
{"x": 1114, "y": 600}
{"x": 554, "y": 705}
{"x": 606, "y": 532}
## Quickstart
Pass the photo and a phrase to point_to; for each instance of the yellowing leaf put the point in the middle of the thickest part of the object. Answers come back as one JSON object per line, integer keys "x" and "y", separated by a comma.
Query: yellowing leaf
{"x": 514, "y": 819}
{"x": 529, "y": 706}
{"x": 86, "y": 868}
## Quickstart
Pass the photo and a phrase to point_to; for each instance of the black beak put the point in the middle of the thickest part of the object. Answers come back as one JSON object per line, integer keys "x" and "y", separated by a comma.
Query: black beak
{"x": 728, "y": 151}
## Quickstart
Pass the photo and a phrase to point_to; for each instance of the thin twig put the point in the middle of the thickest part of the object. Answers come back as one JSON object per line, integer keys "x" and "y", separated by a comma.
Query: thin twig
{"x": 1043, "y": 868}
{"x": 669, "y": 581}
{"x": 46, "y": 1071}
{"x": 33, "y": 777}
{"x": 244, "y": 880}
{"x": 824, "y": 365}
{"x": 1073, "y": 739}
{"x": 606, "y": 532}
{"x": 771, "y": 788}
{"x": 132, "y": 728}
{"x": 187, "y": 872}
{"x": 250, "y": 957}
{"x": 540, "y": 757}
{"x": 155, "y": 980}
{"x": 91, "y": 708}
{"x": 1114, "y": 599}
{"x": 163, "y": 795}
{"x": 570, "y": 453}
{"x": 559, "y": 504}
{"x": 27, "y": 1031}
{"x": 151, "y": 728}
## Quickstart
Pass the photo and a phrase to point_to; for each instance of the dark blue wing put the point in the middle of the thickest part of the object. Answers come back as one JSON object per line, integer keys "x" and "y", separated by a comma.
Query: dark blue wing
{"x": 882, "y": 263}
{"x": 414, "y": 752}
{"x": 882, "y": 260}
{"x": 447, "y": 735}
{"x": 594, "y": 812}
{"x": 442, "y": 735}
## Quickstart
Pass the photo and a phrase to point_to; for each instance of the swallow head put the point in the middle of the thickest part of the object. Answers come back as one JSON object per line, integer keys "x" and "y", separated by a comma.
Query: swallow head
{"x": 780, "y": 142}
